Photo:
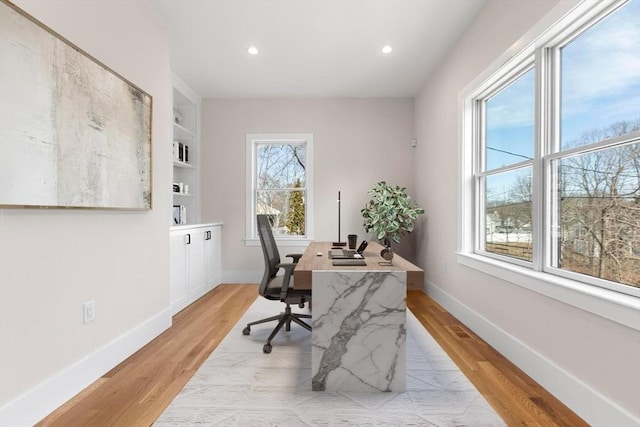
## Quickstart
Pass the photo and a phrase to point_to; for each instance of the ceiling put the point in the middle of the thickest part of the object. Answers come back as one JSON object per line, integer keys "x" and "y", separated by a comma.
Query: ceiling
{"x": 311, "y": 48}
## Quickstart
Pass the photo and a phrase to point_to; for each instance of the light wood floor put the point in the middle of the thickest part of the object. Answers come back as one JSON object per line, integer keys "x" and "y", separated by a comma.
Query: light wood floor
{"x": 138, "y": 390}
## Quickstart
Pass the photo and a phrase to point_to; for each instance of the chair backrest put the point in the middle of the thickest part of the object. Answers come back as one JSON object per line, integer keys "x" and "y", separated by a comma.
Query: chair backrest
{"x": 269, "y": 250}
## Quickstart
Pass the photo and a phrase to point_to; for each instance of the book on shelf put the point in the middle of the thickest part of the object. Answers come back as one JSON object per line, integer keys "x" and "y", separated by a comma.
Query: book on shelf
{"x": 179, "y": 215}
{"x": 181, "y": 151}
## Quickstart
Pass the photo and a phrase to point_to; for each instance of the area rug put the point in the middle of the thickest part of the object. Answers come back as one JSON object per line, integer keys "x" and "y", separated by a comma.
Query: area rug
{"x": 240, "y": 386}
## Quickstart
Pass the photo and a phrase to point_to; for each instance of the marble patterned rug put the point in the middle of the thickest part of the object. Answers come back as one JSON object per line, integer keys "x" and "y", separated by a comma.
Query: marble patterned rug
{"x": 240, "y": 386}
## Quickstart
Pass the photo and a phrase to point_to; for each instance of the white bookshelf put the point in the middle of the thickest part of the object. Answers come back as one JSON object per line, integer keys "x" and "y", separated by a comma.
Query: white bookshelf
{"x": 186, "y": 151}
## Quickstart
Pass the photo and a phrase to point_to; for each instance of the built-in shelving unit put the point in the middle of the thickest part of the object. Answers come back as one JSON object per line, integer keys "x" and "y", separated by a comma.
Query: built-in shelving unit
{"x": 186, "y": 150}
{"x": 194, "y": 247}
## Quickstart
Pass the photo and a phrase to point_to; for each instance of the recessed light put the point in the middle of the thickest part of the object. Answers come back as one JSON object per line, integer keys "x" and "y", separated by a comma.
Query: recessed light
{"x": 386, "y": 49}
{"x": 253, "y": 50}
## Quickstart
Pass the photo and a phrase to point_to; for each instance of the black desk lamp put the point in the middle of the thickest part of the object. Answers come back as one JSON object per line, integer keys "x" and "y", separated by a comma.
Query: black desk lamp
{"x": 339, "y": 243}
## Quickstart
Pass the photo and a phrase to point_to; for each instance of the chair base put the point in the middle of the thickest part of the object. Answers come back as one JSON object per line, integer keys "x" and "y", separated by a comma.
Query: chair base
{"x": 284, "y": 319}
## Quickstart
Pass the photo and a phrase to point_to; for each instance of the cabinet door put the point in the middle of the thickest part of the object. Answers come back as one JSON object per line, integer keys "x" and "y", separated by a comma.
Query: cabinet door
{"x": 178, "y": 295}
{"x": 212, "y": 256}
{"x": 196, "y": 263}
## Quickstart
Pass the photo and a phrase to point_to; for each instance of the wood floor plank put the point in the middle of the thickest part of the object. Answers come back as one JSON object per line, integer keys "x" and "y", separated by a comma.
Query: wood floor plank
{"x": 517, "y": 398}
{"x": 138, "y": 390}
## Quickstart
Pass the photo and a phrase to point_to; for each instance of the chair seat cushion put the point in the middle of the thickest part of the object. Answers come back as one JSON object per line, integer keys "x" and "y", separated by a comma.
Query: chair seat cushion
{"x": 275, "y": 285}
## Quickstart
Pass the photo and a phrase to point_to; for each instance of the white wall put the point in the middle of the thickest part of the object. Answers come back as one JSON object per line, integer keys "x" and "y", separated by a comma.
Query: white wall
{"x": 52, "y": 261}
{"x": 588, "y": 362}
{"x": 357, "y": 142}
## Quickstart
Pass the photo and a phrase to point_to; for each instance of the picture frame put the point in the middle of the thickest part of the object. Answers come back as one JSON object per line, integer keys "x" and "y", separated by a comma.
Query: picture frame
{"x": 73, "y": 132}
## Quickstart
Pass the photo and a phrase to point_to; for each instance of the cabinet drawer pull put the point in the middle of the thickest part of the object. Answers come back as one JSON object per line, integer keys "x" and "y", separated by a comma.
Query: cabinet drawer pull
{"x": 188, "y": 239}
{"x": 208, "y": 235}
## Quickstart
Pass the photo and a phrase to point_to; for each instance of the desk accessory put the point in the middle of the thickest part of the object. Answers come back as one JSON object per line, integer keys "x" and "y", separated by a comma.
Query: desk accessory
{"x": 348, "y": 253}
{"x": 341, "y": 262}
{"x": 339, "y": 243}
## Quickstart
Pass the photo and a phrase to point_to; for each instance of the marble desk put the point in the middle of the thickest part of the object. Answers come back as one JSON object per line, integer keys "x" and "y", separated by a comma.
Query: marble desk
{"x": 359, "y": 335}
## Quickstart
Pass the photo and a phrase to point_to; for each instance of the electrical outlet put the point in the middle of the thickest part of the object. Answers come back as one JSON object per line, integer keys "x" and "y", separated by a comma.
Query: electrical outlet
{"x": 443, "y": 266}
{"x": 89, "y": 311}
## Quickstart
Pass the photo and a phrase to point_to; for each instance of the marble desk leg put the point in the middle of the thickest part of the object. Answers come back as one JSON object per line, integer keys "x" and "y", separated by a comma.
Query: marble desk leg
{"x": 359, "y": 335}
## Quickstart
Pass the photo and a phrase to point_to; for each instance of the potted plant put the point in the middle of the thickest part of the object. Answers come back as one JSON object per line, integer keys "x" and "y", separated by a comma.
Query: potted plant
{"x": 389, "y": 215}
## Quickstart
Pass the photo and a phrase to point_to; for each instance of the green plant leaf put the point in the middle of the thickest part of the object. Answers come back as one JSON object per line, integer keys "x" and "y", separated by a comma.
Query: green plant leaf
{"x": 390, "y": 213}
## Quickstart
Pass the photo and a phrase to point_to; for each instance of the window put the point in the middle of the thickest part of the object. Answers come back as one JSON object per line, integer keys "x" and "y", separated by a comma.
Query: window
{"x": 280, "y": 185}
{"x": 551, "y": 145}
{"x": 507, "y": 143}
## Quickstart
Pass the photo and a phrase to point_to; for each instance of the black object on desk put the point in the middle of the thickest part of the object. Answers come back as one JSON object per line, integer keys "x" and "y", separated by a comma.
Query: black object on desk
{"x": 349, "y": 262}
{"x": 339, "y": 243}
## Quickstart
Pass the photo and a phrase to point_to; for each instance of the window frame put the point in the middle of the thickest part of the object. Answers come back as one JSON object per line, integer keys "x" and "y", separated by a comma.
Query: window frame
{"x": 252, "y": 141}
{"x": 540, "y": 47}
{"x": 521, "y": 67}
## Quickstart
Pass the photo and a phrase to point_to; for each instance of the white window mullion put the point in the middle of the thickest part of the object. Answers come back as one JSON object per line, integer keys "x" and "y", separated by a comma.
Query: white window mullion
{"x": 543, "y": 134}
{"x": 479, "y": 243}
{"x": 551, "y": 57}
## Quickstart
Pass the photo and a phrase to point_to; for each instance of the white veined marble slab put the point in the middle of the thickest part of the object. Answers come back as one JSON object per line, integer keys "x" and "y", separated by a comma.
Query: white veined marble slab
{"x": 359, "y": 333}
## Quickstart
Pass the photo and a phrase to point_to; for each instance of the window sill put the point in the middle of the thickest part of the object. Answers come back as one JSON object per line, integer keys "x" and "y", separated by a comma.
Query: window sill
{"x": 285, "y": 242}
{"x": 617, "y": 307}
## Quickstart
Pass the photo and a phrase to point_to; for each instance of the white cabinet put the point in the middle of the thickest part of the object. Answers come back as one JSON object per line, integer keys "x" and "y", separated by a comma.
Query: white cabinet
{"x": 178, "y": 259}
{"x": 195, "y": 262}
{"x": 213, "y": 253}
{"x": 186, "y": 155}
{"x": 196, "y": 268}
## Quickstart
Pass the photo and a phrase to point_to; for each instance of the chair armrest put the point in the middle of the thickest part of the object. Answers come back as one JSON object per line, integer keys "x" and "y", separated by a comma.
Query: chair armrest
{"x": 296, "y": 257}
{"x": 288, "y": 270}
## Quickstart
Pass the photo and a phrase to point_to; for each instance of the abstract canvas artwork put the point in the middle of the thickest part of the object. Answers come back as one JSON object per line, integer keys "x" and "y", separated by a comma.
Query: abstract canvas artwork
{"x": 73, "y": 133}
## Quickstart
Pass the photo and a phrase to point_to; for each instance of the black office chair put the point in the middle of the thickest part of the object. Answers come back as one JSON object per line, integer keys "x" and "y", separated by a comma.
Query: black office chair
{"x": 275, "y": 287}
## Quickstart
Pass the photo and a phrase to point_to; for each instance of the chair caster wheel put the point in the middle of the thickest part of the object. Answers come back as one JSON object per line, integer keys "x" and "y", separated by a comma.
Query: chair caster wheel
{"x": 266, "y": 348}
{"x": 246, "y": 331}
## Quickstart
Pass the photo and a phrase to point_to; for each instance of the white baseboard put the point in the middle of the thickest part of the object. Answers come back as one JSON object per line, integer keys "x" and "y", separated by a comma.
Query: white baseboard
{"x": 585, "y": 401}
{"x": 40, "y": 401}
{"x": 179, "y": 304}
